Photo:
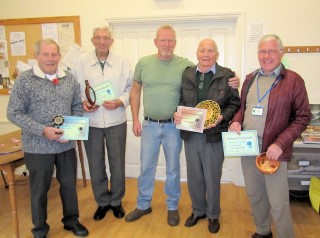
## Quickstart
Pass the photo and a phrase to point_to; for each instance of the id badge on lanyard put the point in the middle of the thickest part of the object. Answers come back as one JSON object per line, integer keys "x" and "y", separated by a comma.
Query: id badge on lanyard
{"x": 257, "y": 111}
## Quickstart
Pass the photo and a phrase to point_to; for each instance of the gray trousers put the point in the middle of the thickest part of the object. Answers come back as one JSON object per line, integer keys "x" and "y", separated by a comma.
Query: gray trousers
{"x": 114, "y": 138}
{"x": 204, "y": 169}
{"x": 41, "y": 167}
{"x": 269, "y": 198}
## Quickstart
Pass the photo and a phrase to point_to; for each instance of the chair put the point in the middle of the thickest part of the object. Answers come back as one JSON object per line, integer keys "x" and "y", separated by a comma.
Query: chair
{"x": 6, "y": 185}
{"x": 84, "y": 179}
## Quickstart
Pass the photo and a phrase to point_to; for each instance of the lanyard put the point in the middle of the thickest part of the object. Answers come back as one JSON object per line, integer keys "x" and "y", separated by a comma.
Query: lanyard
{"x": 268, "y": 91}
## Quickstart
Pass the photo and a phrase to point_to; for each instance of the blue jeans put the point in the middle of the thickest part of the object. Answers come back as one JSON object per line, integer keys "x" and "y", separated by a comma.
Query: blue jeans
{"x": 153, "y": 135}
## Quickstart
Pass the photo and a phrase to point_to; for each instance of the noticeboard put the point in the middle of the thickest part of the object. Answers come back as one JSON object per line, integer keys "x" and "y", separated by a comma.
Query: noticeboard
{"x": 64, "y": 29}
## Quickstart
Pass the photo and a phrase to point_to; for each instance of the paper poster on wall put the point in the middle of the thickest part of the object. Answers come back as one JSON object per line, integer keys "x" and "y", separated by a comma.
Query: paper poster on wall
{"x": 72, "y": 55}
{"x": 50, "y": 30}
{"x": 66, "y": 36}
{"x": 18, "y": 43}
{"x": 255, "y": 32}
{"x": 2, "y": 33}
{"x": 4, "y": 72}
{"x": 3, "y": 50}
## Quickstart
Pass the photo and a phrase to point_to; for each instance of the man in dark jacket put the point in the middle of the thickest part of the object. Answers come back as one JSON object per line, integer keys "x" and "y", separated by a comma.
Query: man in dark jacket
{"x": 204, "y": 151}
{"x": 274, "y": 102}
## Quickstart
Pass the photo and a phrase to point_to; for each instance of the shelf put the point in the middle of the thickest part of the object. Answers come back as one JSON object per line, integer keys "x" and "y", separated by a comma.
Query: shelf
{"x": 302, "y": 49}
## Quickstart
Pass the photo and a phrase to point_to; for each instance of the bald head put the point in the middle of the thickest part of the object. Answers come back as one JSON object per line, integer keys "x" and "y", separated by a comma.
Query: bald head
{"x": 207, "y": 54}
{"x": 208, "y": 42}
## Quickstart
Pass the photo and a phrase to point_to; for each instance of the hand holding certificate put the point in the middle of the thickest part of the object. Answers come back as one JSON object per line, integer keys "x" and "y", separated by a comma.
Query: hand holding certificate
{"x": 193, "y": 119}
{"x": 74, "y": 128}
{"x": 243, "y": 144}
{"x": 99, "y": 93}
{"x": 104, "y": 92}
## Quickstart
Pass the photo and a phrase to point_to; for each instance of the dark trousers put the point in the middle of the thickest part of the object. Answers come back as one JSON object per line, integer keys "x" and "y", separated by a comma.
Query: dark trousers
{"x": 204, "y": 170}
{"x": 41, "y": 168}
{"x": 114, "y": 138}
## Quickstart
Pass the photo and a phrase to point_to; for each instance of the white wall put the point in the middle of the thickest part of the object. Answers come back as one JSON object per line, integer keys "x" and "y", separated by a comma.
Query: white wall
{"x": 296, "y": 22}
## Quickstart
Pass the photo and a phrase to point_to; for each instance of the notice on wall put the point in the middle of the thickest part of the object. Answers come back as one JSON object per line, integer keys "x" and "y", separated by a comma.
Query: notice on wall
{"x": 2, "y": 33}
{"x": 3, "y": 50}
{"x": 66, "y": 36}
{"x": 255, "y": 32}
{"x": 50, "y": 31}
{"x": 18, "y": 43}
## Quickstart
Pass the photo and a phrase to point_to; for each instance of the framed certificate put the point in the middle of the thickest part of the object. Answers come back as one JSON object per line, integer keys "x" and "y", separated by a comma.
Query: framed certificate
{"x": 243, "y": 144}
{"x": 103, "y": 92}
{"x": 75, "y": 128}
{"x": 193, "y": 119}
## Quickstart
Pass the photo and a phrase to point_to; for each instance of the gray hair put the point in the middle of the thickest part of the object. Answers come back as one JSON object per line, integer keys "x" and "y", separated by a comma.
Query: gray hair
{"x": 102, "y": 28}
{"x": 271, "y": 37}
{"x": 212, "y": 42}
{"x": 48, "y": 41}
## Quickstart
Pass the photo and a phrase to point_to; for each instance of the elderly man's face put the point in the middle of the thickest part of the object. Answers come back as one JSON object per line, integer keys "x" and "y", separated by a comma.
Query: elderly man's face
{"x": 207, "y": 54}
{"x": 48, "y": 58}
{"x": 269, "y": 56}
{"x": 102, "y": 41}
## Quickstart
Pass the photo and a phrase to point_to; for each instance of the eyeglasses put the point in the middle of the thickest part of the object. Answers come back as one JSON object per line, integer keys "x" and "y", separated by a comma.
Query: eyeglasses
{"x": 269, "y": 52}
{"x": 102, "y": 38}
{"x": 201, "y": 81}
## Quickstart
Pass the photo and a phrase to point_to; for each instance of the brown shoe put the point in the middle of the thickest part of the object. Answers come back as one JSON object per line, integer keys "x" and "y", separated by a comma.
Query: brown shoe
{"x": 257, "y": 235}
{"x": 214, "y": 225}
{"x": 173, "y": 217}
{"x": 193, "y": 220}
{"x": 137, "y": 214}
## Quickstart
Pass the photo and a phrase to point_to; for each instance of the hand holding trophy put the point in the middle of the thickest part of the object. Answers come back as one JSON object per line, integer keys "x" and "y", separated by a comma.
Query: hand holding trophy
{"x": 89, "y": 94}
{"x": 57, "y": 121}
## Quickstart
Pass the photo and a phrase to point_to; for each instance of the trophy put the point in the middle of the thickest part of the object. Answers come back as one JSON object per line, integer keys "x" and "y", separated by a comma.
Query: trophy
{"x": 57, "y": 121}
{"x": 89, "y": 94}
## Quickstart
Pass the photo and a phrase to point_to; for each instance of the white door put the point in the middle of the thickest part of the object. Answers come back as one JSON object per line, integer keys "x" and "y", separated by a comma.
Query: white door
{"x": 135, "y": 39}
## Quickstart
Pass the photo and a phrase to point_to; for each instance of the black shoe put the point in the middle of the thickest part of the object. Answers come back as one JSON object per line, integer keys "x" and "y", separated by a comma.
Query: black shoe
{"x": 101, "y": 212}
{"x": 78, "y": 230}
{"x": 256, "y": 235}
{"x": 118, "y": 211}
{"x": 214, "y": 225}
{"x": 193, "y": 220}
{"x": 40, "y": 237}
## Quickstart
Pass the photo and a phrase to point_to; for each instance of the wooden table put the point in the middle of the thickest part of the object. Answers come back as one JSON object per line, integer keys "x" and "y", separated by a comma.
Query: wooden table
{"x": 8, "y": 163}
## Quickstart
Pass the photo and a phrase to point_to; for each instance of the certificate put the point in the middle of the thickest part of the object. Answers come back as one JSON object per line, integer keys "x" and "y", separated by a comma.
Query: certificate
{"x": 192, "y": 119}
{"x": 75, "y": 128}
{"x": 103, "y": 92}
{"x": 245, "y": 144}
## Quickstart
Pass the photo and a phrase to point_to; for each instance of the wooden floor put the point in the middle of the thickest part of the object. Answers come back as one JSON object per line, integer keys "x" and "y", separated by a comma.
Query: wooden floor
{"x": 235, "y": 220}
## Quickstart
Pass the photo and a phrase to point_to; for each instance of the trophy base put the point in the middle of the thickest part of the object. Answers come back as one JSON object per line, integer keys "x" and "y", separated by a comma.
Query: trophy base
{"x": 94, "y": 106}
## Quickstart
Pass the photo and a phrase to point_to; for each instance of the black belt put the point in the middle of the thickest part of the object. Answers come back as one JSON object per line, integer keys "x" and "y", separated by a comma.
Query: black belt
{"x": 159, "y": 121}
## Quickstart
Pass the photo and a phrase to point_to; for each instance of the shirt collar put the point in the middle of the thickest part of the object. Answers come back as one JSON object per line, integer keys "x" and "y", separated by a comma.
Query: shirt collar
{"x": 38, "y": 72}
{"x": 212, "y": 69}
{"x": 94, "y": 59}
{"x": 275, "y": 73}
